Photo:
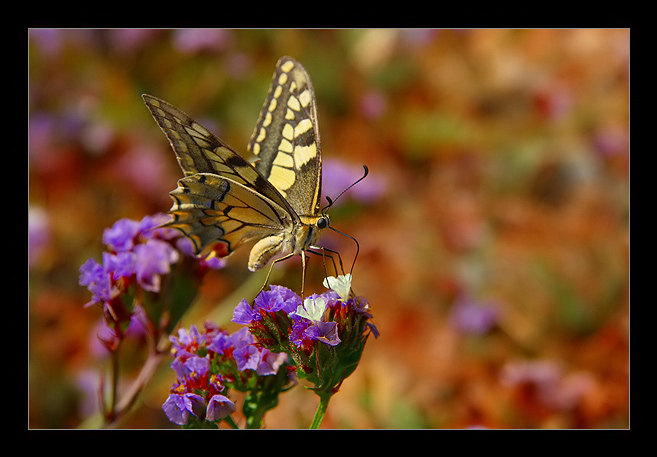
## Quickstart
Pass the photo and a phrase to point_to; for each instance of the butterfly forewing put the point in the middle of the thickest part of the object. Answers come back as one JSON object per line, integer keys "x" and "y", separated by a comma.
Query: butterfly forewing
{"x": 286, "y": 138}
{"x": 200, "y": 151}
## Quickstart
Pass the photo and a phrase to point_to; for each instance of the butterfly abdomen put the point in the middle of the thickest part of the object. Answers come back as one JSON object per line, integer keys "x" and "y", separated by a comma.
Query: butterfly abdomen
{"x": 300, "y": 239}
{"x": 267, "y": 248}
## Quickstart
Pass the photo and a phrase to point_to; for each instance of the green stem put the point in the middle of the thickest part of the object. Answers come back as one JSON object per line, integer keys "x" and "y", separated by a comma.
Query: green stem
{"x": 229, "y": 420}
{"x": 324, "y": 398}
{"x": 111, "y": 411}
{"x": 255, "y": 421}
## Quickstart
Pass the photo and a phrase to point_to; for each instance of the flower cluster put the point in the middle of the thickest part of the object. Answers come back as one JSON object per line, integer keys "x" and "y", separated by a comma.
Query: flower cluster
{"x": 324, "y": 334}
{"x": 209, "y": 362}
{"x": 320, "y": 338}
{"x": 140, "y": 254}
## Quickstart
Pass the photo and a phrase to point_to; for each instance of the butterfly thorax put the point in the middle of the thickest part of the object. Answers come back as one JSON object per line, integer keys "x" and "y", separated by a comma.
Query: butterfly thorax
{"x": 303, "y": 236}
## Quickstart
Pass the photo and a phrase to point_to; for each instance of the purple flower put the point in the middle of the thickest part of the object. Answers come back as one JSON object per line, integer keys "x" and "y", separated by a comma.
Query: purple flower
{"x": 220, "y": 342}
{"x": 325, "y": 332}
{"x": 178, "y": 364}
{"x": 185, "y": 340}
{"x": 138, "y": 322}
{"x": 270, "y": 362}
{"x": 313, "y": 311}
{"x": 375, "y": 331}
{"x": 90, "y": 272}
{"x": 219, "y": 407}
{"x": 196, "y": 368}
{"x": 139, "y": 250}
{"x": 268, "y": 301}
{"x": 274, "y": 300}
{"x": 185, "y": 245}
{"x": 361, "y": 306}
{"x": 262, "y": 360}
{"x": 474, "y": 317}
{"x": 98, "y": 281}
{"x": 153, "y": 258}
{"x": 149, "y": 227}
{"x": 121, "y": 264}
{"x": 247, "y": 357}
{"x": 298, "y": 334}
{"x": 214, "y": 262}
{"x": 289, "y": 301}
{"x": 244, "y": 314}
{"x": 242, "y": 337}
{"x": 121, "y": 236}
{"x": 178, "y": 407}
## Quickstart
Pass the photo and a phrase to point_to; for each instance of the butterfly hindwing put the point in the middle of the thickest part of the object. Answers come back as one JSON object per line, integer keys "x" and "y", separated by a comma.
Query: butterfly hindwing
{"x": 286, "y": 138}
{"x": 209, "y": 208}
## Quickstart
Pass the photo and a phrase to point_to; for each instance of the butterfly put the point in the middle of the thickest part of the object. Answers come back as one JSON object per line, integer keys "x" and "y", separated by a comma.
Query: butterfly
{"x": 275, "y": 201}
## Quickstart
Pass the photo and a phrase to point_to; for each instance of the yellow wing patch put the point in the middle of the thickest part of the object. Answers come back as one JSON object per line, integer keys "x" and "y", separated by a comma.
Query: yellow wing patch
{"x": 286, "y": 138}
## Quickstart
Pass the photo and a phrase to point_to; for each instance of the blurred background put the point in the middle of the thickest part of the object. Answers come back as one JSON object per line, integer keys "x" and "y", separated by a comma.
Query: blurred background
{"x": 493, "y": 226}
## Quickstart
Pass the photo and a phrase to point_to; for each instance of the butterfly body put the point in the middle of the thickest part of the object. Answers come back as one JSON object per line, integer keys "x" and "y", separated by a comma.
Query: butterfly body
{"x": 275, "y": 201}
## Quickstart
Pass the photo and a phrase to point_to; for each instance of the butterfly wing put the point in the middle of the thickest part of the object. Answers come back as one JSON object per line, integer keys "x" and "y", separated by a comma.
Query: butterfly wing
{"x": 209, "y": 208}
{"x": 286, "y": 138}
{"x": 200, "y": 151}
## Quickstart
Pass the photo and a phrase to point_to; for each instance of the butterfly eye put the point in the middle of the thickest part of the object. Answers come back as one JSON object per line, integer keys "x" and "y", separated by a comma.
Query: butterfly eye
{"x": 322, "y": 222}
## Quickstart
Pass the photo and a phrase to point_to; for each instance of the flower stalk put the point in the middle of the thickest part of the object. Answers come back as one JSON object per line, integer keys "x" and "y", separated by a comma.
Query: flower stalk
{"x": 321, "y": 410}
{"x": 140, "y": 295}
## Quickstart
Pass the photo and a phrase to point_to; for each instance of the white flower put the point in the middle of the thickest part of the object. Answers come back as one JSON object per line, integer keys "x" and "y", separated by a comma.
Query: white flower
{"x": 312, "y": 309}
{"x": 341, "y": 285}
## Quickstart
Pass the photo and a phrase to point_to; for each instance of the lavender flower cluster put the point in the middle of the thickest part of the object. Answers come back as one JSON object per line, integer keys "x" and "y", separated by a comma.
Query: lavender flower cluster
{"x": 140, "y": 254}
{"x": 205, "y": 362}
{"x": 320, "y": 338}
{"x": 318, "y": 318}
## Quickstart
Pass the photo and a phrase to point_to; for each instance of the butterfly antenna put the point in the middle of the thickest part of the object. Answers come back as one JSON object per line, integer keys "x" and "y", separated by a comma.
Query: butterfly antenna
{"x": 357, "y": 246}
{"x": 331, "y": 201}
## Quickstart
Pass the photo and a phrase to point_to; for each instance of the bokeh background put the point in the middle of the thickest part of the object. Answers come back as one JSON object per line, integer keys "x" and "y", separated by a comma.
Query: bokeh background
{"x": 493, "y": 227}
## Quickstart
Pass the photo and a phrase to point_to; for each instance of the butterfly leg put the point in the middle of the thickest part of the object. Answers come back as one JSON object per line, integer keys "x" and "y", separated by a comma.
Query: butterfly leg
{"x": 332, "y": 260}
{"x": 303, "y": 271}
{"x": 324, "y": 255}
{"x": 330, "y": 256}
{"x": 271, "y": 267}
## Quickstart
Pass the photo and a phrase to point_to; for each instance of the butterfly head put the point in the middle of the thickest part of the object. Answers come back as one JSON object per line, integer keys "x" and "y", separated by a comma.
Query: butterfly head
{"x": 323, "y": 222}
